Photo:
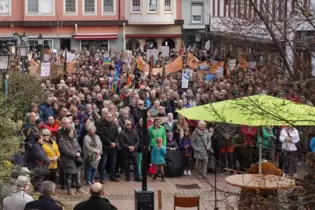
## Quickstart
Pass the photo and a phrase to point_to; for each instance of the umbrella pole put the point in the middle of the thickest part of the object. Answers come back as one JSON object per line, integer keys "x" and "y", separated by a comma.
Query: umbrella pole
{"x": 260, "y": 152}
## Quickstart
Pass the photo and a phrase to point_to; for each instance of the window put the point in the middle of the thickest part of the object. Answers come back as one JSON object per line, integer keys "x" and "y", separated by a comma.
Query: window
{"x": 108, "y": 6}
{"x": 70, "y": 6}
{"x": 167, "y": 6}
{"x": 5, "y": 7}
{"x": 93, "y": 45}
{"x": 136, "y": 5}
{"x": 89, "y": 6}
{"x": 196, "y": 12}
{"x": 152, "y": 5}
{"x": 40, "y": 7}
{"x": 33, "y": 45}
{"x": 32, "y": 6}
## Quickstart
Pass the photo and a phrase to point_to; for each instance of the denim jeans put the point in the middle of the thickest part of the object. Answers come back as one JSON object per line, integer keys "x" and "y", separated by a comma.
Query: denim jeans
{"x": 90, "y": 172}
{"x": 140, "y": 163}
{"x": 103, "y": 162}
{"x": 127, "y": 158}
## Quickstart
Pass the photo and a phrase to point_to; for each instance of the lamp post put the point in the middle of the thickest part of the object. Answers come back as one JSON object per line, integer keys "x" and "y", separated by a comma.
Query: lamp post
{"x": 40, "y": 41}
{"x": 4, "y": 66}
{"x": 23, "y": 48}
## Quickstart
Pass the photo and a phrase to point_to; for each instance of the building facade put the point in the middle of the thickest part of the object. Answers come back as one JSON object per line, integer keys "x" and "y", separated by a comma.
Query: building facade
{"x": 64, "y": 24}
{"x": 153, "y": 23}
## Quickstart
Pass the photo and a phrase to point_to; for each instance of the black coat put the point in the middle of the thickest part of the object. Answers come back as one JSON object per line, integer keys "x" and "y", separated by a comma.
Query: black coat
{"x": 95, "y": 203}
{"x": 129, "y": 138}
{"x": 43, "y": 203}
{"x": 108, "y": 133}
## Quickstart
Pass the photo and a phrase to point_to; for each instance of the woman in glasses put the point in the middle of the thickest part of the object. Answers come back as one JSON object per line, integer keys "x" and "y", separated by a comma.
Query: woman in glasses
{"x": 51, "y": 149}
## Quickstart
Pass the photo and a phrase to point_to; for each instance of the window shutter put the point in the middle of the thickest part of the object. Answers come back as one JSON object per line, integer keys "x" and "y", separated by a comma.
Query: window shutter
{"x": 197, "y": 9}
{"x": 47, "y": 6}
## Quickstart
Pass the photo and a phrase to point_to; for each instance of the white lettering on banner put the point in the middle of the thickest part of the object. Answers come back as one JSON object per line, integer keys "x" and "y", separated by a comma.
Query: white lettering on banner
{"x": 232, "y": 64}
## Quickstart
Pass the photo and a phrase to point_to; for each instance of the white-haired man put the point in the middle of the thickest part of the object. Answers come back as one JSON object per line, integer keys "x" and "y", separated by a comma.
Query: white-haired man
{"x": 45, "y": 201}
{"x": 19, "y": 198}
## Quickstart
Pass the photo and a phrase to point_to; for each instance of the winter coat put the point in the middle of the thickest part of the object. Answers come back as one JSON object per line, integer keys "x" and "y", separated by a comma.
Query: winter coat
{"x": 53, "y": 128}
{"x": 91, "y": 146}
{"x": 37, "y": 156}
{"x": 199, "y": 142}
{"x": 129, "y": 138}
{"x": 183, "y": 143}
{"x": 158, "y": 155}
{"x": 171, "y": 144}
{"x": 69, "y": 147}
{"x": 137, "y": 114}
{"x": 95, "y": 203}
{"x": 51, "y": 150}
{"x": 249, "y": 135}
{"x": 108, "y": 132}
{"x": 43, "y": 203}
{"x": 157, "y": 133}
{"x": 140, "y": 134}
{"x": 45, "y": 111}
{"x": 223, "y": 129}
{"x": 170, "y": 127}
{"x": 267, "y": 138}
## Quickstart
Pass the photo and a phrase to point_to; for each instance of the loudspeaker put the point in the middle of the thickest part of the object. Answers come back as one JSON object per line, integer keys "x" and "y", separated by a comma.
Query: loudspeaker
{"x": 144, "y": 200}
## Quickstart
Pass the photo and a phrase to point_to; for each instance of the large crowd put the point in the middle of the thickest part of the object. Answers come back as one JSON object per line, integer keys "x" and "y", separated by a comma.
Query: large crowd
{"x": 87, "y": 129}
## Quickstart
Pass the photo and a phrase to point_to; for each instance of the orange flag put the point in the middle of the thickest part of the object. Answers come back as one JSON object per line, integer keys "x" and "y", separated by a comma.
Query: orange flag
{"x": 192, "y": 61}
{"x": 214, "y": 69}
{"x": 142, "y": 65}
{"x": 242, "y": 63}
{"x": 175, "y": 65}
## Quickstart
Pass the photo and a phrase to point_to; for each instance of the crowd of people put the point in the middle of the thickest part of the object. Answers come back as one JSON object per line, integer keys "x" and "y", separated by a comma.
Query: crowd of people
{"x": 86, "y": 129}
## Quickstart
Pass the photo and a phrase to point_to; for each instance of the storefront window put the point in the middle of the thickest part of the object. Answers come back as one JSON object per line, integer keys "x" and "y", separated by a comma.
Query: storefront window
{"x": 93, "y": 45}
{"x": 33, "y": 45}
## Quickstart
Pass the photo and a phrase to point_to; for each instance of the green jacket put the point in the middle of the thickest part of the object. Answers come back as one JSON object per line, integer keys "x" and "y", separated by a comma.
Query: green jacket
{"x": 157, "y": 133}
{"x": 266, "y": 143}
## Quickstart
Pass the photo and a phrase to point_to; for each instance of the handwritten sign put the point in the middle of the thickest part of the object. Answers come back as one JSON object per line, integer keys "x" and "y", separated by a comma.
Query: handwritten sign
{"x": 45, "y": 69}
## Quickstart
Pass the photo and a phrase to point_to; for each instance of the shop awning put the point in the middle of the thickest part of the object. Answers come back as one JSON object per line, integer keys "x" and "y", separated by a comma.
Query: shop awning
{"x": 95, "y": 37}
{"x": 152, "y": 36}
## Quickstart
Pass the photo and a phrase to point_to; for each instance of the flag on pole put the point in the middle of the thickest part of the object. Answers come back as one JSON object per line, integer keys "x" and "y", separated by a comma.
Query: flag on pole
{"x": 114, "y": 85}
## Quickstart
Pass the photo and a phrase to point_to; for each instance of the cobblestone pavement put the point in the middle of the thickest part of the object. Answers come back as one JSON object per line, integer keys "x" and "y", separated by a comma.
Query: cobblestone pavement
{"x": 122, "y": 194}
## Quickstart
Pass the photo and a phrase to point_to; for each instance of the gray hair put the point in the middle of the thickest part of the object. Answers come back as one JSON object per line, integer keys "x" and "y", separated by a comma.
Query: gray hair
{"x": 22, "y": 181}
{"x": 89, "y": 105}
{"x": 90, "y": 126}
{"x": 65, "y": 119}
{"x": 48, "y": 188}
{"x": 46, "y": 132}
{"x": 201, "y": 122}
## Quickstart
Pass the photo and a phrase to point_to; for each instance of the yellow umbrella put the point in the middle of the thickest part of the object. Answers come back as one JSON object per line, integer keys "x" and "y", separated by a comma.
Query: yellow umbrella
{"x": 257, "y": 110}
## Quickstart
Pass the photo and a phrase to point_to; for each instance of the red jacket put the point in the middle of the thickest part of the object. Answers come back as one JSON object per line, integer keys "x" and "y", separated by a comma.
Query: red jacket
{"x": 249, "y": 135}
{"x": 52, "y": 128}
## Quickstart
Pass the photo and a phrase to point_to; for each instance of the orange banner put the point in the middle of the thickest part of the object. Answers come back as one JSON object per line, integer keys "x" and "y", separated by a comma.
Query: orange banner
{"x": 174, "y": 66}
{"x": 242, "y": 63}
{"x": 192, "y": 61}
{"x": 142, "y": 65}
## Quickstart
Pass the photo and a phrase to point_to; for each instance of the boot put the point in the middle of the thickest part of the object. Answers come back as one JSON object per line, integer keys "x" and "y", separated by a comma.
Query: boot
{"x": 154, "y": 177}
{"x": 162, "y": 176}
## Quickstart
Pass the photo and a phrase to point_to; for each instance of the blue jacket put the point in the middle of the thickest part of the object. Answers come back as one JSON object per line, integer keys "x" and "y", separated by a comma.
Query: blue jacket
{"x": 158, "y": 155}
{"x": 46, "y": 110}
{"x": 312, "y": 144}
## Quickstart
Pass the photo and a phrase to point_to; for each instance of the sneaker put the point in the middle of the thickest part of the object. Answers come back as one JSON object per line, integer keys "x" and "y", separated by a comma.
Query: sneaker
{"x": 70, "y": 192}
{"x": 189, "y": 173}
{"x": 80, "y": 191}
{"x": 185, "y": 173}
